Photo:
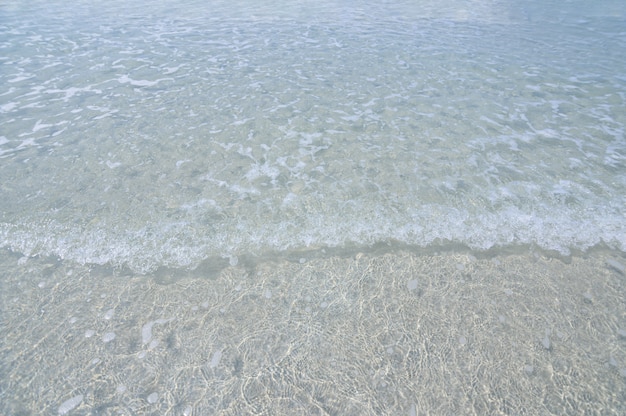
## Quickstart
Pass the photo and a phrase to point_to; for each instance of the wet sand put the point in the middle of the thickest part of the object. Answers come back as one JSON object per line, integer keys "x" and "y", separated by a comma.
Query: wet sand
{"x": 399, "y": 333}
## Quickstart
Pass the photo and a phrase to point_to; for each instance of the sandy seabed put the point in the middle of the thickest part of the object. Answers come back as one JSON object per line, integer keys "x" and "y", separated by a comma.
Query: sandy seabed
{"x": 399, "y": 333}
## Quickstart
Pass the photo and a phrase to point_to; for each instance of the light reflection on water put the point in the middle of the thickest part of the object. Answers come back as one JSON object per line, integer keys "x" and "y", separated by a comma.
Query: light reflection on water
{"x": 166, "y": 138}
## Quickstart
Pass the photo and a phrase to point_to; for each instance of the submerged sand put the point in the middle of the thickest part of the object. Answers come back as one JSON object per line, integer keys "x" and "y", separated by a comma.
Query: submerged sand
{"x": 399, "y": 333}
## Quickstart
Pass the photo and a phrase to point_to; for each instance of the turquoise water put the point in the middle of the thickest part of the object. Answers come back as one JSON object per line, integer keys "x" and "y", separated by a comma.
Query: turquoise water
{"x": 162, "y": 135}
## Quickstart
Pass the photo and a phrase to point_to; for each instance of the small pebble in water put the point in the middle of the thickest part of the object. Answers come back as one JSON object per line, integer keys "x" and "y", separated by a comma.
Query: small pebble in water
{"x": 462, "y": 340}
{"x": 108, "y": 337}
{"x": 412, "y": 285}
{"x": 267, "y": 294}
{"x": 152, "y": 398}
{"x": 616, "y": 265}
{"x": 546, "y": 342}
{"x": 302, "y": 260}
{"x": 109, "y": 314}
{"x": 215, "y": 360}
{"x": 233, "y": 261}
{"x": 69, "y": 405}
{"x": 89, "y": 333}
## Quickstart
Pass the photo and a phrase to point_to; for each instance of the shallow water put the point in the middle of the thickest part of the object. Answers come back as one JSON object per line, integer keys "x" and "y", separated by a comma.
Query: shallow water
{"x": 394, "y": 334}
{"x": 312, "y": 207}
{"x": 163, "y": 136}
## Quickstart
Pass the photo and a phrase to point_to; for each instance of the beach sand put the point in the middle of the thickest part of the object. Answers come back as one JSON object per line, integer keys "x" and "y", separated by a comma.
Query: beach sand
{"x": 399, "y": 333}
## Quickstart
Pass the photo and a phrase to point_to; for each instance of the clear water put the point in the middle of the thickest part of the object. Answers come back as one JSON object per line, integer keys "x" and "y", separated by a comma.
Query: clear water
{"x": 160, "y": 135}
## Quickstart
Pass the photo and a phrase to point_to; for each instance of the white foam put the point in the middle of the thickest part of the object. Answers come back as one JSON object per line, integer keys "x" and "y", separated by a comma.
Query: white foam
{"x": 449, "y": 140}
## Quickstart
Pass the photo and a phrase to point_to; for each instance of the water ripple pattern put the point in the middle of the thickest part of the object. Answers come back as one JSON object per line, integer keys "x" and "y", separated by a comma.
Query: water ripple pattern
{"x": 162, "y": 135}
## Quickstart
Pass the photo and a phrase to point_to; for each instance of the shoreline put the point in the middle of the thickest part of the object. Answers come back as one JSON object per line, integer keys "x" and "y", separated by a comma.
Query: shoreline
{"x": 391, "y": 333}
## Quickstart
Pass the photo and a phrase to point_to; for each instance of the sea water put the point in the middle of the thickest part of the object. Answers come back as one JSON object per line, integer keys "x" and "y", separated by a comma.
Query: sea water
{"x": 165, "y": 134}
